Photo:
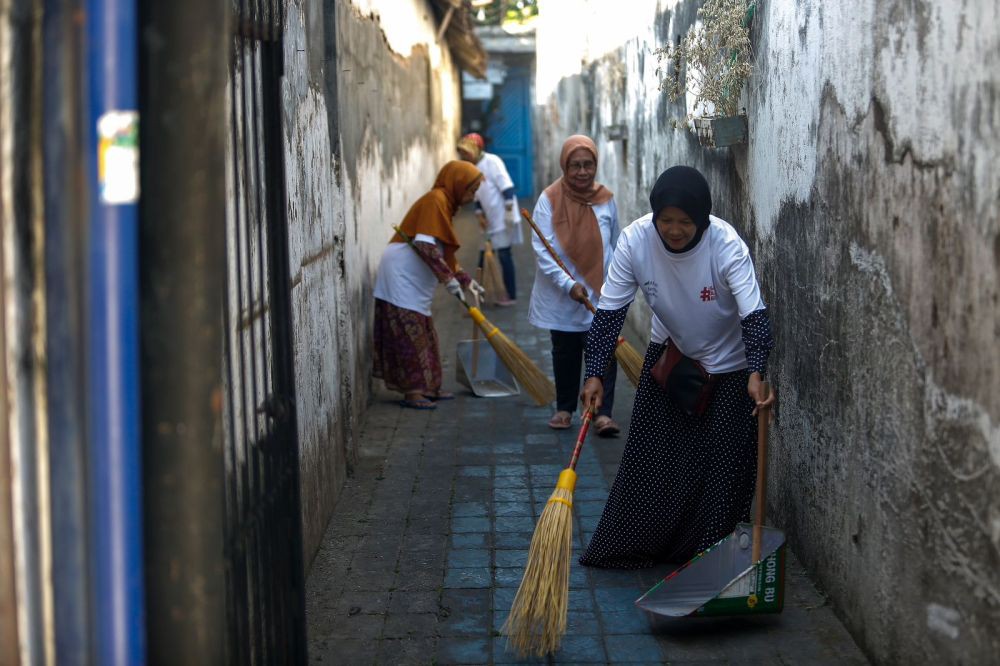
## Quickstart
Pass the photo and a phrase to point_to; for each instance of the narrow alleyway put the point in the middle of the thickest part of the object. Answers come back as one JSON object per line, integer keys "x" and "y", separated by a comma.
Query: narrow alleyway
{"x": 424, "y": 553}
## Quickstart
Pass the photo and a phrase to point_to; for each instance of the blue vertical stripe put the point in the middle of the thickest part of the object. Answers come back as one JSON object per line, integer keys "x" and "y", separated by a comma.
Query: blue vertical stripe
{"x": 113, "y": 375}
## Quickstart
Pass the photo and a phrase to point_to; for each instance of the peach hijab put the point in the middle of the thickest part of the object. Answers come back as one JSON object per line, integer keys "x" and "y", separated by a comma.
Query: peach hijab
{"x": 432, "y": 213}
{"x": 573, "y": 217}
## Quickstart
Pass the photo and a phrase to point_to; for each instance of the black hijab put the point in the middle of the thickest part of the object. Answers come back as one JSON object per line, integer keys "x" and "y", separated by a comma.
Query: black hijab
{"x": 683, "y": 187}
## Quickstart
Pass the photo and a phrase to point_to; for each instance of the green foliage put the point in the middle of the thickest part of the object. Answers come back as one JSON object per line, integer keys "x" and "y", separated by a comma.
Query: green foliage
{"x": 713, "y": 61}
{"x": 499, "y": 12}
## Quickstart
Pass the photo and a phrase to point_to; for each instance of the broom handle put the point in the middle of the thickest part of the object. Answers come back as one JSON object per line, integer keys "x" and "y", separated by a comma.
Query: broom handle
{"x": 552, "y": 251}
{"x": 763, "y": 416}
{"x": 409, "y": 241}
{"x": 475, "y": 327}
{"x": 587, "y": 416}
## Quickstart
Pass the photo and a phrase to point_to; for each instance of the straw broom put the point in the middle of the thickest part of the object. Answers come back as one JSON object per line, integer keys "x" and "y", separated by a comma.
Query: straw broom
{"x": 492, "y": 275}
{"x": 628, "y": 357}
{"x": 534, "y": 381}
{"x": 537, "y": 619}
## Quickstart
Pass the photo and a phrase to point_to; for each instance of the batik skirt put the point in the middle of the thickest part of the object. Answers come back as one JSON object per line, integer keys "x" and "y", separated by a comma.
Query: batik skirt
{"x": 684, "y": 481}
{"x": 406, "y": 355}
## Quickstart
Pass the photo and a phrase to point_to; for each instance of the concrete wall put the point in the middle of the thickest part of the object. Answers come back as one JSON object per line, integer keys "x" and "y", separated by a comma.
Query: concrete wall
{"x": 371, "y": 106}
{"x": 868, "y": 194}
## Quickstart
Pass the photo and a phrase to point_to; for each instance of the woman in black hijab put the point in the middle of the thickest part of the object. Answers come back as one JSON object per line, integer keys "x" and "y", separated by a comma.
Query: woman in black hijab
{"x": 687, "y": 472}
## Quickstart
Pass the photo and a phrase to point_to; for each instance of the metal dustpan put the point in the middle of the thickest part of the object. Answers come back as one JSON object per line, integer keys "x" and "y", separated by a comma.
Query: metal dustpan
{"x": 742, "y": 574}
{"x": 480, "y": 370}
{"x": 723, "y": 581}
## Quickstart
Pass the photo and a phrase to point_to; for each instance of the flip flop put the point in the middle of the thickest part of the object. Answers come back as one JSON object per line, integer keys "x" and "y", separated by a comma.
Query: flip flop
{"x": 561, "y": 421}
{"x": 440, "y": 395}
{"x": 607, "y": 427}
{"x": 417, "y": 404}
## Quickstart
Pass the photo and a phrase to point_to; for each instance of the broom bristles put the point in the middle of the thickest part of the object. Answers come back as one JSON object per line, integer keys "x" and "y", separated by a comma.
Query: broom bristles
{"x": 537, "y": 619}
{"x": 534, "y": 381}
{"x": 630, "y": 360}
{"x": 493, "y": 276}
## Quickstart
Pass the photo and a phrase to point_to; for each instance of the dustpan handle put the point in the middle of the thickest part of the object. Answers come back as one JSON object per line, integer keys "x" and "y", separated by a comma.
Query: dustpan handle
{"x": 763, "y": 417}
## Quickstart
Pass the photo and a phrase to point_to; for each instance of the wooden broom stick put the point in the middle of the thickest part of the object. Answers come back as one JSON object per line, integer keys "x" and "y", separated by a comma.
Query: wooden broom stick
{"x": 763, "y": 416}
{"x": 628, "y": 357}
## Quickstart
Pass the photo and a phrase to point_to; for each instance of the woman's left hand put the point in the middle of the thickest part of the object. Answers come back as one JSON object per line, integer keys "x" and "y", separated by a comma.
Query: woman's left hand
{"x": 755, "y": 388}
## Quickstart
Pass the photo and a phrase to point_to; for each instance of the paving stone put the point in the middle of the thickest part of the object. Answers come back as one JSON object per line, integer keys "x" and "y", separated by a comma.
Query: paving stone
{"x": 471, "y": 540}
{"x": 404, "y": 651}
{"x": 509, "y": 495}
{"x": 410, "y": 625}
{"x": 476, "y": 471}
{"x": 518, "y": 482}
{"x": 465, "y": 558}
{"x": 577, "y": 649}
{"x": 414, "y": 601}
{"x": 501, "y": 655}
{"x": 508, "y": 576}
{"x": 464, "y": 623}
{"x": 342, "y": 651}
{"x": 469, "y": 509}
{"x": 473, "y": 524}
{"x": 510, "y": 558}
{"x": 624, "y": 622}
{"x": 514, "y": 509}
{"x": 632, "y": 648}
{"x": 478, "y": 577}
{"x": 512, "y": 541}
{"x": 514, "y": 524}
{"x": 463, "y": 651}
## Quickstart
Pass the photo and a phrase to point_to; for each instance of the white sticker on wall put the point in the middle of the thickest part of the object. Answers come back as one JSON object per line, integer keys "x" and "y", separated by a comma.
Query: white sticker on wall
{"x": 118, "y": 157}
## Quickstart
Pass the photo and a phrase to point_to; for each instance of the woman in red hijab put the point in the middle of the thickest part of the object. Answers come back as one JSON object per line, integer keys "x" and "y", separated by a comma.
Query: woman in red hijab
{"x": 578, "y": 216}
{"x": 406, "y": 355}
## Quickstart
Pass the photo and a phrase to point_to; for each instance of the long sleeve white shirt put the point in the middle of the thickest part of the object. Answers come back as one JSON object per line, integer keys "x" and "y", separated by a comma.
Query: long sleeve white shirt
{"x": 496, "y": 180}
{"x": 551, "y": 307}
{"x": 697, "y": 297}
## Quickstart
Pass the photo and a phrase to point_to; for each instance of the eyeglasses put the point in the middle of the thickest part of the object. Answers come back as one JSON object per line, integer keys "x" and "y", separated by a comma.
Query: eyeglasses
{"x": 589, "y": 165}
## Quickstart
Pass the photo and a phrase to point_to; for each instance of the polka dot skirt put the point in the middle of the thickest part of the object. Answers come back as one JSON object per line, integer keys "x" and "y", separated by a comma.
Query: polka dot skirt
{"x": 684, "y": 481}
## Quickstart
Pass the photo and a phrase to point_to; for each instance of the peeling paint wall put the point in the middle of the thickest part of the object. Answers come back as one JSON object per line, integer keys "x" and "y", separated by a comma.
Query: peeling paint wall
{"x": 869, "y": 195}
{"x": 371, "y": 105}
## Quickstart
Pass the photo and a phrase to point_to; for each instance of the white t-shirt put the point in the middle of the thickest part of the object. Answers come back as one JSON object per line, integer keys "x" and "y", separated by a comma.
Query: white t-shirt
{"x": 404, "y": 279}
{"x": 698, "y": 297}
{"x": 490, "y": 198}
{"x": 551, "y": 307}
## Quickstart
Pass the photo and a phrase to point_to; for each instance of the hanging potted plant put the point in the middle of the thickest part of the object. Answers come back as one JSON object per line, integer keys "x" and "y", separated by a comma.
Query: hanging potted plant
{"x": 711, "y": 64}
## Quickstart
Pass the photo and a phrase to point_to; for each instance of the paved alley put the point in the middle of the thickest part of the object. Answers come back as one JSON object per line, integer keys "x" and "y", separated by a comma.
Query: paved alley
{"x": 425, "y": 551}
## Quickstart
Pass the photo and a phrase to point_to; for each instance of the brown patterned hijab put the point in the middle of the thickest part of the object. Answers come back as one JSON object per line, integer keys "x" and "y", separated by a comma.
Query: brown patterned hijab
{"x": 573, "y": 218}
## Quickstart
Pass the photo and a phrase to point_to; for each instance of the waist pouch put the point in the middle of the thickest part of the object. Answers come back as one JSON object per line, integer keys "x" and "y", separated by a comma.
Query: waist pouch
{"x": 684, "y": 380}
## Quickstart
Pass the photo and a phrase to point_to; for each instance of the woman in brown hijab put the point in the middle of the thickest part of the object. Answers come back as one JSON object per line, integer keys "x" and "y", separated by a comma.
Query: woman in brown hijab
{"x": 578, "y": 216}
{"x": 406, "y": 355}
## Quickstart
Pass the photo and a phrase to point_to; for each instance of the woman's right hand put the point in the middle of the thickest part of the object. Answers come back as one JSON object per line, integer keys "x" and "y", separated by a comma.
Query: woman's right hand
{"x": 578, "y": 293}
{"x": 592, "y": 395}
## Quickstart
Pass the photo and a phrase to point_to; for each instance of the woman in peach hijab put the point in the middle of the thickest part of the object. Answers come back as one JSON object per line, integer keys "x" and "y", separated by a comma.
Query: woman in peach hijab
{"x": 406, "y": 355}
{"x": 578, "y": 216}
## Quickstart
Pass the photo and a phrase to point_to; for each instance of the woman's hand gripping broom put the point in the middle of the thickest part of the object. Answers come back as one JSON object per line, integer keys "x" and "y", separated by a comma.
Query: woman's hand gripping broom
{"x": 627, "y": 355}
{"x": 537, "y": 619}
{"x": 534, "y": 381}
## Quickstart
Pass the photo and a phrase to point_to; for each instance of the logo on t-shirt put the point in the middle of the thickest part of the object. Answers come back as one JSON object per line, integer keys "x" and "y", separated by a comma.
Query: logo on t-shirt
{"x": 708, "y": 293}
{"x": 649, "y": 287}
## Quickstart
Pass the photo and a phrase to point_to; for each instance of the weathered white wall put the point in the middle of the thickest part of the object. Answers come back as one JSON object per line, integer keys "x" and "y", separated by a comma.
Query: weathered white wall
{"x": 869, "y": 195}
{"x": 371, "y": 106}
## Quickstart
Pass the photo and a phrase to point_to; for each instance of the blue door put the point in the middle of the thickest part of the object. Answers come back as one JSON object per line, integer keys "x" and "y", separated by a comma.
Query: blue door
{"x": 509, "y": 129}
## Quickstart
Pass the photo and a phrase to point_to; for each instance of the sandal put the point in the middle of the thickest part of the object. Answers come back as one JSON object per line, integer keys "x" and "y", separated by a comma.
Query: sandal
{"x": 440, "y": 395}
{"x": 417, "y": 404}
{"x": 606, "y": 427}
{"x": 561, "y": 421}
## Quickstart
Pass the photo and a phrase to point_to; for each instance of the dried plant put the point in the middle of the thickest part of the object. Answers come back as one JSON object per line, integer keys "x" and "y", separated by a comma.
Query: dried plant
{"x": 713, "y": 61}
